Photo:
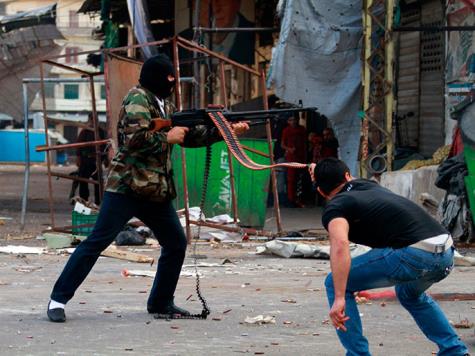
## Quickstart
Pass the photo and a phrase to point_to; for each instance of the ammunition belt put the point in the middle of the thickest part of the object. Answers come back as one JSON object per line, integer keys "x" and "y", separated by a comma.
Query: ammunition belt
{"x": 226, "y": 131}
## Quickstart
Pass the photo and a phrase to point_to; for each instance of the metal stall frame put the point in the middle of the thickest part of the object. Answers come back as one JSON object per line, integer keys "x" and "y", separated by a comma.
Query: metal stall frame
{"x": 26, "y": 115}
{"x": 383, "y": 76}
{"x": 47, "y": 148}
{"x": 195, "y": 47}
{"x": 86, "y": 76}
{"x": 176, "y": 43}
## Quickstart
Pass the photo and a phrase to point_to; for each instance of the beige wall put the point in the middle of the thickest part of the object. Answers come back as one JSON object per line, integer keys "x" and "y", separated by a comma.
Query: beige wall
{"x": 78, "y": 37}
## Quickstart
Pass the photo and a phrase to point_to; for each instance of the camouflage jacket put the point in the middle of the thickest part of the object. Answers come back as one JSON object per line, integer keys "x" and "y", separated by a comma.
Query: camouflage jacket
{"x": 142, "y": 166}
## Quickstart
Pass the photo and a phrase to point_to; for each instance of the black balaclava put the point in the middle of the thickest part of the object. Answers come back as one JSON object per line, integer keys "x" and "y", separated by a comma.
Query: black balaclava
{"x": 154, "y": 75}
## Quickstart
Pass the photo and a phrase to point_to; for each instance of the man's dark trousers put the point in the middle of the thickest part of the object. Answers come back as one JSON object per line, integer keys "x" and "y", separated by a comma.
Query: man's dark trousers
{"x": 116, "y": 210}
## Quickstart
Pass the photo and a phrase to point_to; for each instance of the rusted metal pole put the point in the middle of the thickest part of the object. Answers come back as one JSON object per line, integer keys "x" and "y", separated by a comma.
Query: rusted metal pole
{"x": 236, "y": 29}
{"x": 367, "y": 30}
{"x": 73, "y": 69}
{"x": 222, "y": 78}
{"x": 95, "y": 121}
{"x": 24, "y": 198}
{"x": 110, "y": 50}
{"x": 271, "y": 155}
{"x": 181, "y": 40}
{"x": 230, "y": 156}
{"x": 234, "y": 229}
{"x": 71, "y": 145}
{"x": 79, "y": 179}
{"x": 196, "y": 85}
{"x": 48, "y": 158}
{"x": 253, "y": 150}
{"x": 179, "y": 105}
{"x": 389, "y": 82}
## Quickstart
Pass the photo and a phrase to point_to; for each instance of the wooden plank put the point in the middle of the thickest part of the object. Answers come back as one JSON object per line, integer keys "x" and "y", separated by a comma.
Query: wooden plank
{"x": 408, "y": 93}
{"x": 408, "y": 107}
{"x": 412, "y": 42}
{"x": 406, "y": 65}
{"x": 408, "y": 71}
{"x": 408, "y": 81}
{"x": 413, "y": 58}
{"x": 405, "y": 50}
{"x": 408, "y": 36}
{"x": 114, "y": 252}
{"x": 408, "y": 100}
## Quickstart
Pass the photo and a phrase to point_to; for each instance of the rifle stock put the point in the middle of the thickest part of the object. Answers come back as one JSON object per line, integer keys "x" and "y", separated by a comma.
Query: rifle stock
{"x": 159, "y": 124}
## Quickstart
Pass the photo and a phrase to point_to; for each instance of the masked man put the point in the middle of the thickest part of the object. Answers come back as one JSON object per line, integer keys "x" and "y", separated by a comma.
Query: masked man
{"x": 140, "y": 184}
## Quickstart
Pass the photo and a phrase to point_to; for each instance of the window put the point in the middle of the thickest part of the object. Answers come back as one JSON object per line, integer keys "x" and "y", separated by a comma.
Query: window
{"x": 71, "y": 91}
{"x": 73, "y": 19}
{"x": 103, "y": 92}
{"x": 71, "y": 54}
{"x": 49, "y": 90}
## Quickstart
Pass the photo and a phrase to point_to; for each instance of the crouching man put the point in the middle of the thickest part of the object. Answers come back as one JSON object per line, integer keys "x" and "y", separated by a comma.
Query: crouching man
{"x": 410, "y": 250}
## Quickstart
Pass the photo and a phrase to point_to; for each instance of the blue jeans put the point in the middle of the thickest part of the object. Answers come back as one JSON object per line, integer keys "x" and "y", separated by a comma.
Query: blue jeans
{"x": 116, "y": 210}
{"x": 412, "y": 271}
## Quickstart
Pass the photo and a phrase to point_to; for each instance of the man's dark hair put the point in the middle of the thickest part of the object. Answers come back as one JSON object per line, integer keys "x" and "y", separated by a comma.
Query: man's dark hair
{"x": 330, "y": 173}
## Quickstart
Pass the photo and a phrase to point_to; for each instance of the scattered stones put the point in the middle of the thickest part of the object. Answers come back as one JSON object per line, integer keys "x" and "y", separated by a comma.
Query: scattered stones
{"x": 291, "y": 301}
{"x": 462, "y": 324}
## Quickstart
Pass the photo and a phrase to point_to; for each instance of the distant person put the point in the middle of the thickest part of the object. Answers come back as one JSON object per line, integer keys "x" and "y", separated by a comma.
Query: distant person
{"x": 410, "y": 250}
{"x": 86, "y": 160}
{"x": 315, "y": 147}
{"x": 294, "y": 139}
{"x": 330, "y": 144}
{"x": 238, "y": 46}
{"x": 314, "y": 155}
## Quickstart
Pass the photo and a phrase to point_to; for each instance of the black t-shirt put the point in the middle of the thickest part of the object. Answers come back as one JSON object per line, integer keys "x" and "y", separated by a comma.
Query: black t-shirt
{"x": 379, "y": 218}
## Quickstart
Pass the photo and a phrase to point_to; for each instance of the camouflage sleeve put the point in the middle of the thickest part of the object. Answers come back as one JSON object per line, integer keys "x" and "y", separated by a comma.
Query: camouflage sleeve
{"x": 139, "y": 137}
{"x": 202, "y": 135}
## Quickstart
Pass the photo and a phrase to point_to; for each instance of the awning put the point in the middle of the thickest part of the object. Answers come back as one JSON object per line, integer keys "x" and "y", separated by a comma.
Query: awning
{"x": 5, "y": 117}
{"x": 40, "y": 16}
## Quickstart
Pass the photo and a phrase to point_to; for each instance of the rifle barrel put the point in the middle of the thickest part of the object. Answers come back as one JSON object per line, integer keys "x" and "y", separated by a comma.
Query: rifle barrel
{"x": 191, "y": 118}
{"x": 264, "y": 113}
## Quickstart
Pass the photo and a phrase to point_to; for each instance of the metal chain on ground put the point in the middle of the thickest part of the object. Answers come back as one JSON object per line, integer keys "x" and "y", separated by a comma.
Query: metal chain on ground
{"x": 205, "y": 311}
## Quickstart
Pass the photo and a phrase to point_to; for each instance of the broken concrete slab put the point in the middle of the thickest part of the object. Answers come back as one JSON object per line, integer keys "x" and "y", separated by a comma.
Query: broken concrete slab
{"x": 292, "y": 249}
{"x": 260, "y": 320}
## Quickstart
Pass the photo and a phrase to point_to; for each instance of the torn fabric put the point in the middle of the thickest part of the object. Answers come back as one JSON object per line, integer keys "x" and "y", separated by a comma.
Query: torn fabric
{"x": 317, "y": 62}
{"x": 139, "y": 19}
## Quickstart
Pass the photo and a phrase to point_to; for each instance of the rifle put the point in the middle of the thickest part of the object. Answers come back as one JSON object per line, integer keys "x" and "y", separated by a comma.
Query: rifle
{"x": 191, "y": 118}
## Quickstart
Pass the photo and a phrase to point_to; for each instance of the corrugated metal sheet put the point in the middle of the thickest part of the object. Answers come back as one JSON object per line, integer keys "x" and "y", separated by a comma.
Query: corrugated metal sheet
{"x": 432, "y": 115}
{"x": 408, "y": 80}
{"x": 122, "y": 74}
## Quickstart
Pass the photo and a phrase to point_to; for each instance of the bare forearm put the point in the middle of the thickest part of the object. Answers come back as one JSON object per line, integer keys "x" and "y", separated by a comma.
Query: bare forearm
{"x": 340, "y": 262}
{"x": 340, "y": 259}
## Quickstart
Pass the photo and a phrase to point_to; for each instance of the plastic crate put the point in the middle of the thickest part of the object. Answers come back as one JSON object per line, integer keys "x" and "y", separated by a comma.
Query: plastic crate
{"x": 81, "y": 219}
